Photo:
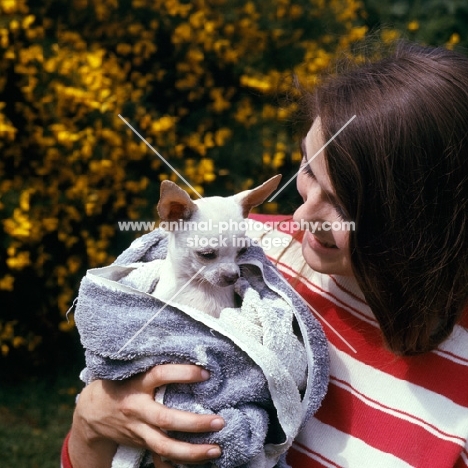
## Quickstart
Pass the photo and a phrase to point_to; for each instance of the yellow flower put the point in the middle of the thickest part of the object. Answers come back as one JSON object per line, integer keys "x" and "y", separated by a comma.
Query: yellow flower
{"x": 207, "y": 165}
{"x": 163, "y": 124}
{"x": 10, "y": 55}
{"x": 260, "y": 84}
{"x": 20, "y": 261}
{"x": 296, "y": 156}
{"x": 182, "y": 33}
{"x": 220, "y": 103}
{"x": 73, "y": 264}
{"x": 194, "y": 142}
{"x": 67, "y": 325}
{"x": 453, "y": 40}
{"x": 7, "y": 283}
{"x": 7, "y": 130}
{"x": 208, "y": 140}
{"x": 245, "y": 113}
{"x": 123, "y": 49}
{"x": 4, "y": 39}
{"x": 95, "y": 59}
{"x": 197, "y": 19}
{"x": 389, "y": 35}
{"x": 80, "y": 4}
{"x": 50, "y": 224}
{"x": 358, "y": 33}
{"x": 222, "y": 135}
{"x": 14, "y": 25}
{"x": 413, "y": 26}
{"x": 271, "y": 207}
{"x": 278, "y": 159}
{"x": 28, "y": 21}
{"x": 174, "y": 8}
{"x": 18, "y": 341}
{"x": 24, "y": 200}
{"x": 9, "y": 6}
{"x": 19, "y": 225}
{"x": 296, "y": 11}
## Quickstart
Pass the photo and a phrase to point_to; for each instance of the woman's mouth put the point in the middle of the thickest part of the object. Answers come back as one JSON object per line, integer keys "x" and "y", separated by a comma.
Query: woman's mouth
{"x": 319, "y": 244}
{"x": 326, "y": 244}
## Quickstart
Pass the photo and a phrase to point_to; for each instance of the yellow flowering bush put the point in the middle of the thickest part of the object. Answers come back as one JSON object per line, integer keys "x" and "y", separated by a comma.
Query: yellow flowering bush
{"x": 199, "y": 80}
{"x": 435, "y": 22}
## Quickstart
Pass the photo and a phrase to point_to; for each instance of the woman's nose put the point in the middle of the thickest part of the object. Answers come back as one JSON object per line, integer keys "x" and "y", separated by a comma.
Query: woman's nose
{"x": 313, "y": 207}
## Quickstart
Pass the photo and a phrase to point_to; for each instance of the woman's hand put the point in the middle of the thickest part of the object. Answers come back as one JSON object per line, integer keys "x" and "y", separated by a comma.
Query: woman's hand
{"x": 124, "y": 412}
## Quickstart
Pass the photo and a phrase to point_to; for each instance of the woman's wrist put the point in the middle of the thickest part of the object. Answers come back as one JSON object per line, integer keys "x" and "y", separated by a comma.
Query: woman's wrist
{"x": 89, "y": 452}
{"x": 86, "y": 447}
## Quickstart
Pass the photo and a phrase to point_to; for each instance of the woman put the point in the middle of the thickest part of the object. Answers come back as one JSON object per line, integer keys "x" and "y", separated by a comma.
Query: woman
{"x": 392, "y": 294}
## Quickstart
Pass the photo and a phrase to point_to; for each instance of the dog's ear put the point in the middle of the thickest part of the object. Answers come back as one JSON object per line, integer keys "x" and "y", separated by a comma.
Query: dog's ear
{"x": 250, "y": 198}
{"x": 174, "y": 203}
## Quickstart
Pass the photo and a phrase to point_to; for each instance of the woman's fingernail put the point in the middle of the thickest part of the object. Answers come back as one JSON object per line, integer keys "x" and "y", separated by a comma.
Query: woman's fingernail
{"x": 214, "y": 453}
{"x": 205, "y": 374}
{"x": 217, "y": 424}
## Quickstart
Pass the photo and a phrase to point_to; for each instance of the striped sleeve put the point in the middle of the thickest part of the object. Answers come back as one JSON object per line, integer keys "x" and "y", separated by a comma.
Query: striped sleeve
{"x": 64, "y": 456}
{"x": 381, "y": 410}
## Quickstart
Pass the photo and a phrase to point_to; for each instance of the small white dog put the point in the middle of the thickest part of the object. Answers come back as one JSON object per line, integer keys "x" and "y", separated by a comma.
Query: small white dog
{"x": 206, "y": 237}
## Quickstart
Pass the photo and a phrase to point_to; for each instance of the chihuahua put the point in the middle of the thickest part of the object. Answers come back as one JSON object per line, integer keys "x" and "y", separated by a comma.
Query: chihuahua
{"x": 206, "y": 238}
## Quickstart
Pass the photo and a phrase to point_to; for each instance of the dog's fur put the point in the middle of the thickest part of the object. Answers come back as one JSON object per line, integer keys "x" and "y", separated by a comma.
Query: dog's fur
{"x": 195, "y": 241}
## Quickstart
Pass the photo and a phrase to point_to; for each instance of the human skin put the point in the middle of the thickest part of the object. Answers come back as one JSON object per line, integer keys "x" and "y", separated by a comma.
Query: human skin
{"x": 109, "y": 413}
{"x": 325, "y": 251}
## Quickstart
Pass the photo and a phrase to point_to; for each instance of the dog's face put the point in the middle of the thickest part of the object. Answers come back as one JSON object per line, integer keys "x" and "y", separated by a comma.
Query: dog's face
{"x": 205, "y": 240}
{"x": 209, "y": 232}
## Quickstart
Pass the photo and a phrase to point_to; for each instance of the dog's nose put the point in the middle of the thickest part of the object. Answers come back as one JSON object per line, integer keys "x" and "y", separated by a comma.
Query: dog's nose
{"x": 230, "y": 278}
{"x": 229, "y": 274}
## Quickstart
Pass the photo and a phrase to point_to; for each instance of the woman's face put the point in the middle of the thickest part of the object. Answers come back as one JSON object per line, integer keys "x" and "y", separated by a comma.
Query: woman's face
{"x": 325, "y": 250}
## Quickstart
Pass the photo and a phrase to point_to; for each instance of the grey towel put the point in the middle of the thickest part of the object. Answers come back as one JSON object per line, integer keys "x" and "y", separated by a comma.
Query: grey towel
{"x": 268, "y": 358}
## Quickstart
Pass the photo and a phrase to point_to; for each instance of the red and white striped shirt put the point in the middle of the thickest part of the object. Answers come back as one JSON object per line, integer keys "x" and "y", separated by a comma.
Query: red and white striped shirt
{"x": 381, "y": 410}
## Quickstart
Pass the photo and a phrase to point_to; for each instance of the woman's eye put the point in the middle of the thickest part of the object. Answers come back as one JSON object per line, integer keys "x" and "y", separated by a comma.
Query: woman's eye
{"x": 306, "y": 168}
{"x": 208, "y": 254}
{"x": 340, "y": 211}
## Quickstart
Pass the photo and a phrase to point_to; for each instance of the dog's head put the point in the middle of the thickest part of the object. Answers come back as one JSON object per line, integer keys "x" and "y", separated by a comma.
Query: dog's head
{"x": 209, "y": 232}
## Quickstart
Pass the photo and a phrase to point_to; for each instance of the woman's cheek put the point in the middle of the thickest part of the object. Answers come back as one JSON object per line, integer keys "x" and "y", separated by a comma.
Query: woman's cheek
{"x": 341, "y": 238}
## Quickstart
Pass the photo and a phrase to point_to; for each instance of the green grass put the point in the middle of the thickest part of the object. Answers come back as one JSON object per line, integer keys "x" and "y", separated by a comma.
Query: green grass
{"x": 34, "y": 419}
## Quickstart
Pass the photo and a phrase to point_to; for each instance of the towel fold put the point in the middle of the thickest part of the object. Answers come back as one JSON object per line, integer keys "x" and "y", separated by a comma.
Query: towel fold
{"x": 268, "y": 358}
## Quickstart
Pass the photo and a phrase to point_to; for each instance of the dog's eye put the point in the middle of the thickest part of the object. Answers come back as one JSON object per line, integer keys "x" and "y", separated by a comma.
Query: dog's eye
{"x": 207, "y": 254}
{"x": 242, "y": 251}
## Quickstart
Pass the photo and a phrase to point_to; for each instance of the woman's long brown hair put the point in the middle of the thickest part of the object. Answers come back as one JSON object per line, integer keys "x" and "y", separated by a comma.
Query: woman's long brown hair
{"x": 400, "y": 169}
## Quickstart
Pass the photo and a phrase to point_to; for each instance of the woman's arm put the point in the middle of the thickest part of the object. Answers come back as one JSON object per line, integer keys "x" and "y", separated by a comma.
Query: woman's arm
{"x": 109, "y": 413}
